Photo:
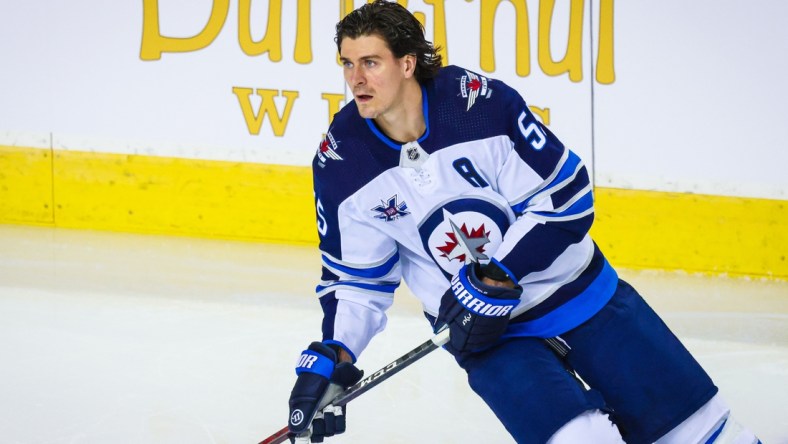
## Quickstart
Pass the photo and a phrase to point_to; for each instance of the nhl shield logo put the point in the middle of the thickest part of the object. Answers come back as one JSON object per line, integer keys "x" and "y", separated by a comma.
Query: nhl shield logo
{"x": 413, "y": 153}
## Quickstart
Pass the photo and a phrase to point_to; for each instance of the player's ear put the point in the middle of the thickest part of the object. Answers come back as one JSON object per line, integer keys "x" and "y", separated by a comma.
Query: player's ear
{"x": 409, "y": 65}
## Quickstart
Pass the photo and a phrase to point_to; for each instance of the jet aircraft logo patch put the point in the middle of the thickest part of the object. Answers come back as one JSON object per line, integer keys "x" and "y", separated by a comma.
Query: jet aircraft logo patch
{"x": 328, "y": 149}
{"x": 390, "y": 209}
{"x": 472, "y": 86}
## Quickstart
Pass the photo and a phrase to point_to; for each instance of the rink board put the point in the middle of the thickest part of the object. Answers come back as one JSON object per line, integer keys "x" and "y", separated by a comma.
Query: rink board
{"x": 274, "y": 203}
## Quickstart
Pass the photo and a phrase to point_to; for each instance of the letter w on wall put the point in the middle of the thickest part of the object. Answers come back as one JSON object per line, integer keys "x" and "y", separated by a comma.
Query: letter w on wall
{"x": 254, "y": 121}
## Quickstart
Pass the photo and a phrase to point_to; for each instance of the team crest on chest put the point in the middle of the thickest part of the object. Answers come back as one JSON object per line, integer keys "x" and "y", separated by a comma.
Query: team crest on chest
{"x": 328, "y": 149}
{"x": 391, "y": 209}
{"x": 464, "y": 246}
{"x": 472, "y": 86}
{"x": 463, "y": 231}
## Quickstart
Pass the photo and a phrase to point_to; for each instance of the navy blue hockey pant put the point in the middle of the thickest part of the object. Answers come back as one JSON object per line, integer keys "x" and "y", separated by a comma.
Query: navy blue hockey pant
{"x": 637, "y": 369}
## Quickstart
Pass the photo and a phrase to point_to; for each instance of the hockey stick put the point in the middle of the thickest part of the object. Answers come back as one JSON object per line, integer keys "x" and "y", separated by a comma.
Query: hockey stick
{"x": 336, "y": 397}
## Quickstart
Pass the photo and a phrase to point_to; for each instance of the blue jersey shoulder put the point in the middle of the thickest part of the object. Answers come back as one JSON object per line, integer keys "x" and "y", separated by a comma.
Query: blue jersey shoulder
{"x": 467, "y": 106}
{"x": 473, "y": 91}
{"x": 349, "y": 156}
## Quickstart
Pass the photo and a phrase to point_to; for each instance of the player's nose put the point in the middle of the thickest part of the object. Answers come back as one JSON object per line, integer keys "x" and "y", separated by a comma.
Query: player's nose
{"x": 357, "y": 76}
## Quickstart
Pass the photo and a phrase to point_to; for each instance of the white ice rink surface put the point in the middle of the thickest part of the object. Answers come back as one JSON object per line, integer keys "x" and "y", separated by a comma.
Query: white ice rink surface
{"x": 118, "y": 338}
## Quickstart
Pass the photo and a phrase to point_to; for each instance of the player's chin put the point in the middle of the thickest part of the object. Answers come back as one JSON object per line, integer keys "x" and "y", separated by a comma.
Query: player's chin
{"x": 367, "y": 112}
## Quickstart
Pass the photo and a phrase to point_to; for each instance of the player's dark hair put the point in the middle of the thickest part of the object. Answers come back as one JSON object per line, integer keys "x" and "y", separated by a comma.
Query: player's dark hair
{"x": 398, "y": 27}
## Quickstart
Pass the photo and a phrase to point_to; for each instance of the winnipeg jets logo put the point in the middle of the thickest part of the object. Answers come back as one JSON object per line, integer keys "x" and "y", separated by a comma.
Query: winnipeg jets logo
{"x": 472, "y": 86}
{"x": 465, "y": 246}
{"x": 391, "y": 209}
{"x": 328, "y": 149}
{"x": 462, "y": 231}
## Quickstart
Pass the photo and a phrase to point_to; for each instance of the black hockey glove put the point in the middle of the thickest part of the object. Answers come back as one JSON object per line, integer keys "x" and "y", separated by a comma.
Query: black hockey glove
{"x": 477, "y": 314}
{"x": 318, "y": 369}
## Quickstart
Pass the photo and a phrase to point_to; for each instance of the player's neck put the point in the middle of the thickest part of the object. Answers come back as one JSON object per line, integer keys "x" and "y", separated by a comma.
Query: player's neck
{"x": 405, "y": 123}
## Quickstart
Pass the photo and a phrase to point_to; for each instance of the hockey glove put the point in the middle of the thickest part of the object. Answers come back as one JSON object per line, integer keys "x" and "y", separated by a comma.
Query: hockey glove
{"x": 317, "y": 369}
{"x": 477, "y": 314}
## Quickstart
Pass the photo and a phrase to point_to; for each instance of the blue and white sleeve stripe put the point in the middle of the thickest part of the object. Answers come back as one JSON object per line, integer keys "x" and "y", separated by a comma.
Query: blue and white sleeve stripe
{"x": 581, "y": 205}
{"x": 386, "y": 288}
{"x": 369, "y": 271}
{"x": 565, "y": 174}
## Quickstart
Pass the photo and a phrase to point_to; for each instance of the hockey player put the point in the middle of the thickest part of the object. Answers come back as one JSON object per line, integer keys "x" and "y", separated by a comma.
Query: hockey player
{"x": 443, "y": 177}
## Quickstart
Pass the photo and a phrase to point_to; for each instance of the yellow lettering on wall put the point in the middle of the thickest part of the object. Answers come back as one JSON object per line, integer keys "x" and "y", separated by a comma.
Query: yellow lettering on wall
{"x": 522, "y": 45}
{"x": 303, "y": 41}
{"x": 345, "y": 8}
{"x": 267, "y": 108}
{"x": 272, "y": 41}
{"x": 439, "y": 28}
{"x": 154, "y": 43}
{"x": 334, "y": 104}
{"x": 542, "y": 113}
{"x": 421, "y": 17}
{"x": 572, "y": 62}
{"x": 605, "y": 72}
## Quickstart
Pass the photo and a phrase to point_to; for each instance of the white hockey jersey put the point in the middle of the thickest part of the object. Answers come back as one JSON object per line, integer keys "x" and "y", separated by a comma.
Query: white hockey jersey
{"x": 485, "y": 182}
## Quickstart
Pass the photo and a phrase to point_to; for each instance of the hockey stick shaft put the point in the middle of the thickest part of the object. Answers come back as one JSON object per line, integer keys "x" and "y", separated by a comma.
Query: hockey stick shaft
{"x": 337, "y": 397}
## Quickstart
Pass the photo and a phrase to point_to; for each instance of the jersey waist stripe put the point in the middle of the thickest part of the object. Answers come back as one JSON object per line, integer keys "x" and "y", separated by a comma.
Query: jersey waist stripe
{"x": 371, "y": 272}
{"x": 568, "y": 289}
{"x": 574, "y": 312}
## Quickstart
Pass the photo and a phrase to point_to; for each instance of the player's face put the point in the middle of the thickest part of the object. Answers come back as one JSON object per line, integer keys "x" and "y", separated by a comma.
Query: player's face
{"x": 374, "y": 74}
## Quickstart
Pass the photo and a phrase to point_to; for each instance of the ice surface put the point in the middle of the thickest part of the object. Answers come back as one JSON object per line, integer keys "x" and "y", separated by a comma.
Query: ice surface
{"x": 119, "y": 338}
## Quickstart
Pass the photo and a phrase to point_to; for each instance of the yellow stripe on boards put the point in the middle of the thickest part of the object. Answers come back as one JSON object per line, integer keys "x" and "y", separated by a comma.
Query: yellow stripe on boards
{"x": 233, "y": 200}
{"x": 692, "y": 232}
{"x": 274, "y": 203}
{"x": 26, "y": 185}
